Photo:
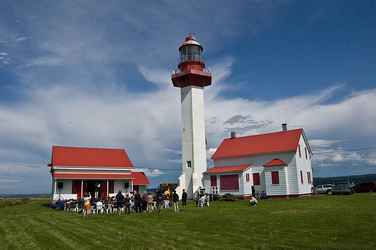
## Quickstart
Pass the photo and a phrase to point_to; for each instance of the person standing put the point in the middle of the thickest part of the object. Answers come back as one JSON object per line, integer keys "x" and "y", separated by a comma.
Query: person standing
{"x": 127, "y": 204}
{"x": 119, "y": 201}
{"x": 137, "y": 202}
{"x": 175, "y": 201}
{"x": 184, "y": 198}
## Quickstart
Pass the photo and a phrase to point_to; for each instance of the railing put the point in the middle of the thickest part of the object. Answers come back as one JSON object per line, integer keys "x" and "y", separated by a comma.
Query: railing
{"x": 177, "y": 71}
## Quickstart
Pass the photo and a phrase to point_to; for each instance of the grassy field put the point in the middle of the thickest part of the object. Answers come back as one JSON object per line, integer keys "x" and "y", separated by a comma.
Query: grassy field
{"x": 325, "y": 222}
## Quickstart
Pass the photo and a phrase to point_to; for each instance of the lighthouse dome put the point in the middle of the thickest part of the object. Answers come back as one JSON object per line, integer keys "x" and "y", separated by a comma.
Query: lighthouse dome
{"x": 190, "y": 40}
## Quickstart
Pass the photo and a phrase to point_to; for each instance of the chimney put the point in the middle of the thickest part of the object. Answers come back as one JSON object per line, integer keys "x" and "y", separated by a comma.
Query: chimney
{"x": 284, "y": 126}
{"x": 233, "y": 134}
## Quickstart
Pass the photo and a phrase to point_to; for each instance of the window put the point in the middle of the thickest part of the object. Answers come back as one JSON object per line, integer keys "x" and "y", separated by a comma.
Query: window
{"x": 275, "y": 177}
{"x": 301, "y": 176}
{"x": 305, "y": 149}
{"x": 247, "y": 177}
{"x": 189, "y": 164}
{"x": 300, "y": 152}
{"x": 256, "y": 179}
{"x": 213, "y": 180}
{"x": 229, "y": 183}
{"x": 309, "y": 177}
{"x": 60, "y": 185}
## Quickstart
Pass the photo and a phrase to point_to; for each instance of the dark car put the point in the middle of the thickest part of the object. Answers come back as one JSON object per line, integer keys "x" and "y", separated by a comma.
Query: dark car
{"x": 365, "y": 187}
{"x": 342, "y": 188}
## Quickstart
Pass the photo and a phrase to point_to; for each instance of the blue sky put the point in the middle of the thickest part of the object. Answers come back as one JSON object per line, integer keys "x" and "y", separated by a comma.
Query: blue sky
{"x": 97, "y": 73}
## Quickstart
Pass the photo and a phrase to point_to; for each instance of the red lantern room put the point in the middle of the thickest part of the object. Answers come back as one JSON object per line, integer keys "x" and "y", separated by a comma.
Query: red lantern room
{"x": 191, "y": 69}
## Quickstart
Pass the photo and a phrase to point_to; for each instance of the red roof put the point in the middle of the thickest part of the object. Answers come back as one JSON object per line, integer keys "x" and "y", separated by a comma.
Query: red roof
{"x": 275, "y": 163}
{"x": 90, "y": 157}
{"x": 276, "y": 142}
{"x": 92, "y": 176}
{"x": 139, "y": 178}
{"x": 228, "y": 169}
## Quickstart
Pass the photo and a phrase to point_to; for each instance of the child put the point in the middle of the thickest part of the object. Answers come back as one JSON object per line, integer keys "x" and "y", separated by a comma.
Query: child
{"x": 253, "y": 201}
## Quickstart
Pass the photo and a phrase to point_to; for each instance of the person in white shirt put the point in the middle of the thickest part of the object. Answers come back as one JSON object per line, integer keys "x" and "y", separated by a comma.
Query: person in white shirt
{"x": 99, "y": 207}
{"x": 253, "y": 201}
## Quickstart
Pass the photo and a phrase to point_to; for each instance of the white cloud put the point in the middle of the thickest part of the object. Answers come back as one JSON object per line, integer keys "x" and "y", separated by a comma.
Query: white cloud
{"x": 152, "y": 172}
{"x": 330, "y": 153}
{"x": 148, "y": 124}
{"x": 45, "y": 61}
{"x": 21, "y": 38}
{"x": 160, "y": 77}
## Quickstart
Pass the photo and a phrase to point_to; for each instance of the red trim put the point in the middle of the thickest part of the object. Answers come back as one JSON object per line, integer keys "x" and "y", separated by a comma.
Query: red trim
{"x": 228, "y": 169}
{"x": 91, "y": 176}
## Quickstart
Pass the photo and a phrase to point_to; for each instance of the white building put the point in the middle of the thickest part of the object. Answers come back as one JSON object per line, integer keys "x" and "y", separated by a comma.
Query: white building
{"x": 102, "y": 172}
{"x": 277, "y": 163}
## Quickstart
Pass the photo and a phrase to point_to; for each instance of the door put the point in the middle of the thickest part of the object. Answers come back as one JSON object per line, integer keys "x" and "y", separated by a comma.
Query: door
{"x": 76, "y": 188}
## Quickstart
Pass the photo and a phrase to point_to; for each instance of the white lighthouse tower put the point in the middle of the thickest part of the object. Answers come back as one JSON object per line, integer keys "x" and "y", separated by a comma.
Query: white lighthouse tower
{"x": 191, "y": 77}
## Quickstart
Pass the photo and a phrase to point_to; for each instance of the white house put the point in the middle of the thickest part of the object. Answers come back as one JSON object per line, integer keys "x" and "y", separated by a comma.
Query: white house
{"x": 277, "y": 163}
{"x": 102, "y": 172}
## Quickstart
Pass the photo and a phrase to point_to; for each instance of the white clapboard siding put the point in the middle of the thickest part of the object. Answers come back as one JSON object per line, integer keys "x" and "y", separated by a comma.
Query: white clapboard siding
{"x": 304, "y": 165}
{"x": 276, "y": 189}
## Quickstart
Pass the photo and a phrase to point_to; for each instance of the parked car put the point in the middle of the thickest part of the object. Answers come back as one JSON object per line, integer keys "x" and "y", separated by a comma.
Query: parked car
{"x": 343, "y": 188}
{"x": 365, "y": 187}
{"x": 323, "y": 189}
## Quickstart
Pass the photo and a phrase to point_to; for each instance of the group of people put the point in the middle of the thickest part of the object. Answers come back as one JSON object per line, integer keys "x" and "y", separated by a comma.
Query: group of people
{"x": 135, "y": 202}
{"x": 128, "y": 203}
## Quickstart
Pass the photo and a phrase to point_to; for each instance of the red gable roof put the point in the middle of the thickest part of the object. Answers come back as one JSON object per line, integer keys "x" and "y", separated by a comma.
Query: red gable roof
{"x": 275, "y": 163}
{"x": 276, "y": 142}
{"x": 90, "y": 157}
{"x": 139, "y": 178}
{"x": 228, "y": 169}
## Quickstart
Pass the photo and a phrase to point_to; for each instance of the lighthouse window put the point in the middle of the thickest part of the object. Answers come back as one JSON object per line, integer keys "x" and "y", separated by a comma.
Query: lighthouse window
{"x": 190, "y": 53}
{"x": 189, "y": 164}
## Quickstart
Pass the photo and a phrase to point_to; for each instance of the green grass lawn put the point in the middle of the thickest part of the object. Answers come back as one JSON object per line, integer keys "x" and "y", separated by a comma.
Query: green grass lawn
{"x": 325, "y": 222}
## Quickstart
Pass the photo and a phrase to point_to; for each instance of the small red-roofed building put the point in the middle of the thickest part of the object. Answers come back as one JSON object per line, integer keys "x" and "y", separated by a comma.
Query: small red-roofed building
{"x": 276, "y": 164}
{"x": 100, "y": 172}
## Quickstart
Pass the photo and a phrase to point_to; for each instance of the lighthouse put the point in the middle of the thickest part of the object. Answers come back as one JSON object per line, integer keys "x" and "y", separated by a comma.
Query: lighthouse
{"x": 192, "y": 77}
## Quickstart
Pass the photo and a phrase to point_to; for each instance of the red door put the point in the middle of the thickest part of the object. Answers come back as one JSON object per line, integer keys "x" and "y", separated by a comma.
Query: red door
{"x": 76, "y": 188}
{"x": 103, "y": 192}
